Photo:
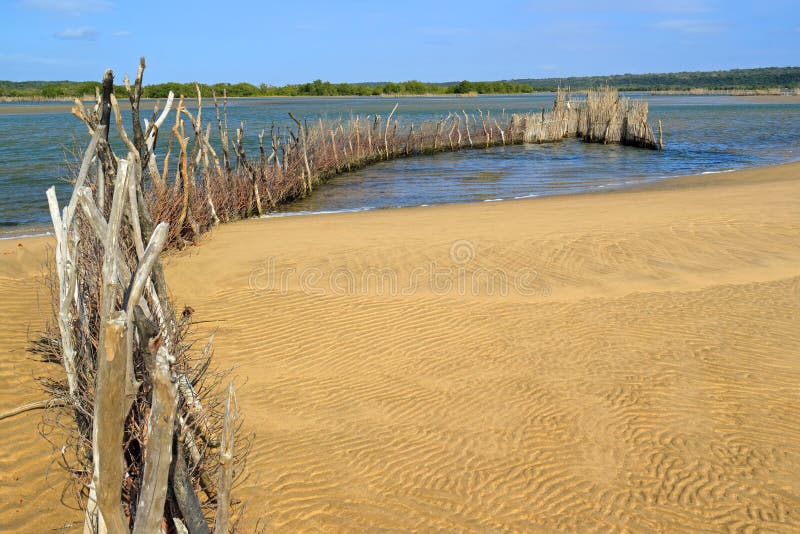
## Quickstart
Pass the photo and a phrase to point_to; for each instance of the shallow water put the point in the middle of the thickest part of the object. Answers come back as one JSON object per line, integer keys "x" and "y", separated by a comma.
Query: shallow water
{"x": 702, "y": 134}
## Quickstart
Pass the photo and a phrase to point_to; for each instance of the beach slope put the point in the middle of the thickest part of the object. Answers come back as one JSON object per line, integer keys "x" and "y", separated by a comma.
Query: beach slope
{"x": 623, "y": 361}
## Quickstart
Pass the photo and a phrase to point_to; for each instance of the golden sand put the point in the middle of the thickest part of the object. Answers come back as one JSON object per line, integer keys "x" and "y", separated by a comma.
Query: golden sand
{"x": 31, "y": 482}
{"x": 612, "y": 362}
{"x": 773, "y": 99}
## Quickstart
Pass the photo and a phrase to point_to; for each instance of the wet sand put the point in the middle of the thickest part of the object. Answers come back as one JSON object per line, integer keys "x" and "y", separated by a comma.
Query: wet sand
{"x": 622, "y": 361}
{"x": 773, "y": 99}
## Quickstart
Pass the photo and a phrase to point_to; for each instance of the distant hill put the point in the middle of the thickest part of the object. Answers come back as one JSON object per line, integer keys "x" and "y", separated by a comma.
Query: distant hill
{"x": 722, "y": 80}
{"x": 736, "y": 79}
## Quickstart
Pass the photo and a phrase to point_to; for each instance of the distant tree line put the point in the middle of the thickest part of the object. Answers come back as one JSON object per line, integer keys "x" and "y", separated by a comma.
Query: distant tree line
{"x": 722, "y": 80}
{"x": 737, "y": 79}
{"x": 315, "y": 88}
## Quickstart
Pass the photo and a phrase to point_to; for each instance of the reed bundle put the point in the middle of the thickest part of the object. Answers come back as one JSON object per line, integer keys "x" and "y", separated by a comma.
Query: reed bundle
{"x": 608, "y": 118}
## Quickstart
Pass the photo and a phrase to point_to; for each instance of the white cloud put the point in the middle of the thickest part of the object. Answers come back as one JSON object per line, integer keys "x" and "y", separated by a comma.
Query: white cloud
{"x": 691, "y": 26}
{"x": 122, "y": 34}
{"x": 69, "y": 7}
{"x": 85, "y": 33}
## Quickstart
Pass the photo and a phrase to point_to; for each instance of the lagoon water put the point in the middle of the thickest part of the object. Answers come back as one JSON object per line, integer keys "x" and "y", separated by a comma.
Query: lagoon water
{"x": 701, "y": 133}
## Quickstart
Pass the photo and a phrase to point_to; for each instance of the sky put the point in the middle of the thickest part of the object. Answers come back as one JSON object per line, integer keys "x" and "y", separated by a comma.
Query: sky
{"x": 372, "y": 40}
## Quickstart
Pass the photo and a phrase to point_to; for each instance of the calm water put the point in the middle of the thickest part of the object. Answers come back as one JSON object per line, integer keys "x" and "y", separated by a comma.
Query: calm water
{"x": 702, "y": 134}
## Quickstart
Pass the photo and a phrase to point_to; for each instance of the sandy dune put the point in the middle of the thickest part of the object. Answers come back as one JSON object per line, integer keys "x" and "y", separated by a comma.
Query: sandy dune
{"x": 617, "y": 362}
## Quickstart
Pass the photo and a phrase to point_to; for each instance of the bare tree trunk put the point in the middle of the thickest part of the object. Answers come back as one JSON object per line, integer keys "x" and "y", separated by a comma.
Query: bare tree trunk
{"x": 110, "y": 406}
{"x": 263, "y": 170}
{"x": 134, "y": 95}
{"x": 150, "y": 140}
{"x": 223, "y": 132}
{"x": 161, "y": 423}
{"x": 466, "y": 124}
{"x": 185, "y": 496}
{"x": 499, "y": 129}
{"x": 386, "y": 132}
{"x": 304, "y": 147}
{"x": 226, "y": 463}
{"x": 358, "y": 141}
{"x": 333, "y": 145}
{"x": 105, "y": 119}
{"x": 183, "y": 171}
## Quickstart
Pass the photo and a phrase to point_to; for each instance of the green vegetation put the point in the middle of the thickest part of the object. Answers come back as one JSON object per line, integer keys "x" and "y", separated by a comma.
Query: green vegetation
{"x": 722, "y": 80}
{"x": 728, "y": 80}
{"x": 56, "y": 89}
{"x": 64, "y": 89}
{"x": 320, "y": 88}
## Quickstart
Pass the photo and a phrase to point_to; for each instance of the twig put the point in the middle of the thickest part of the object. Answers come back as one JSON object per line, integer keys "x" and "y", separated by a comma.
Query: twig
{"x": 35, "y": 405}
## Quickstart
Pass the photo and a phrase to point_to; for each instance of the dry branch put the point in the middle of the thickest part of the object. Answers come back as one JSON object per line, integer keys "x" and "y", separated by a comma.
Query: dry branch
{"x": 110, "y": 409}
{"x": 226, "y": 463}
{"x": 159, "y": 447}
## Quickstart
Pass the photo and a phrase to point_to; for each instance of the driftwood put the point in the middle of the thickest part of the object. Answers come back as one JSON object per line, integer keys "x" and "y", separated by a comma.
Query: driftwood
{"x": 185, "y": 496}
{"x": 304, "y": 147}
{"x": 156, "y": 468}
{"x": 226, "y": 462}
{"x": 65, "y": 261}
{"x": 386, "y": 132}
{"x": 223, "y": 129}
{"x": 109, "y": 415}
{"x": 144, "y": 435}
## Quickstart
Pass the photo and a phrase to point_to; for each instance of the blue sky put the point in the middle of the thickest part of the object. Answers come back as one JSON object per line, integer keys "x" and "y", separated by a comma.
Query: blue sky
{"x": 288, "y": 42}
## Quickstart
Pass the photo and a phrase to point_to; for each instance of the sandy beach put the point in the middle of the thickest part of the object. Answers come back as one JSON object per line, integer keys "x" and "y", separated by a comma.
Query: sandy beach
{"x": 622, "y": 361}
{"x": 773, "y": 99}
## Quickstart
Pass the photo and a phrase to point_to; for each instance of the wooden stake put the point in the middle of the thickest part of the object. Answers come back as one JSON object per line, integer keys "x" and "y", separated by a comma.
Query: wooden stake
{"x": 158, "y": 454}
{"x": 109, "y": 416}
{"x": 466, "y": 124}
{"x": 305, "y": 150}
{"x": 386, "y": 132}
{"x": 226, "y": 463}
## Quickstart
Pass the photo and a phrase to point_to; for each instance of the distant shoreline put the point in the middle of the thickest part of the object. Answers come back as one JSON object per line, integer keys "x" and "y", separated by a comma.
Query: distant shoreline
{"x": 772, "y": 99}
{"x": 10, "y": 105}
{"x": 776, "y": 93}
{"x": 20, "y": 105}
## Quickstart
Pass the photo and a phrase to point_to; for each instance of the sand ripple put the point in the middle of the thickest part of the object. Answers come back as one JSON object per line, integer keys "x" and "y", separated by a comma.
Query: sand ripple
{"x": 653, "y": 388}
